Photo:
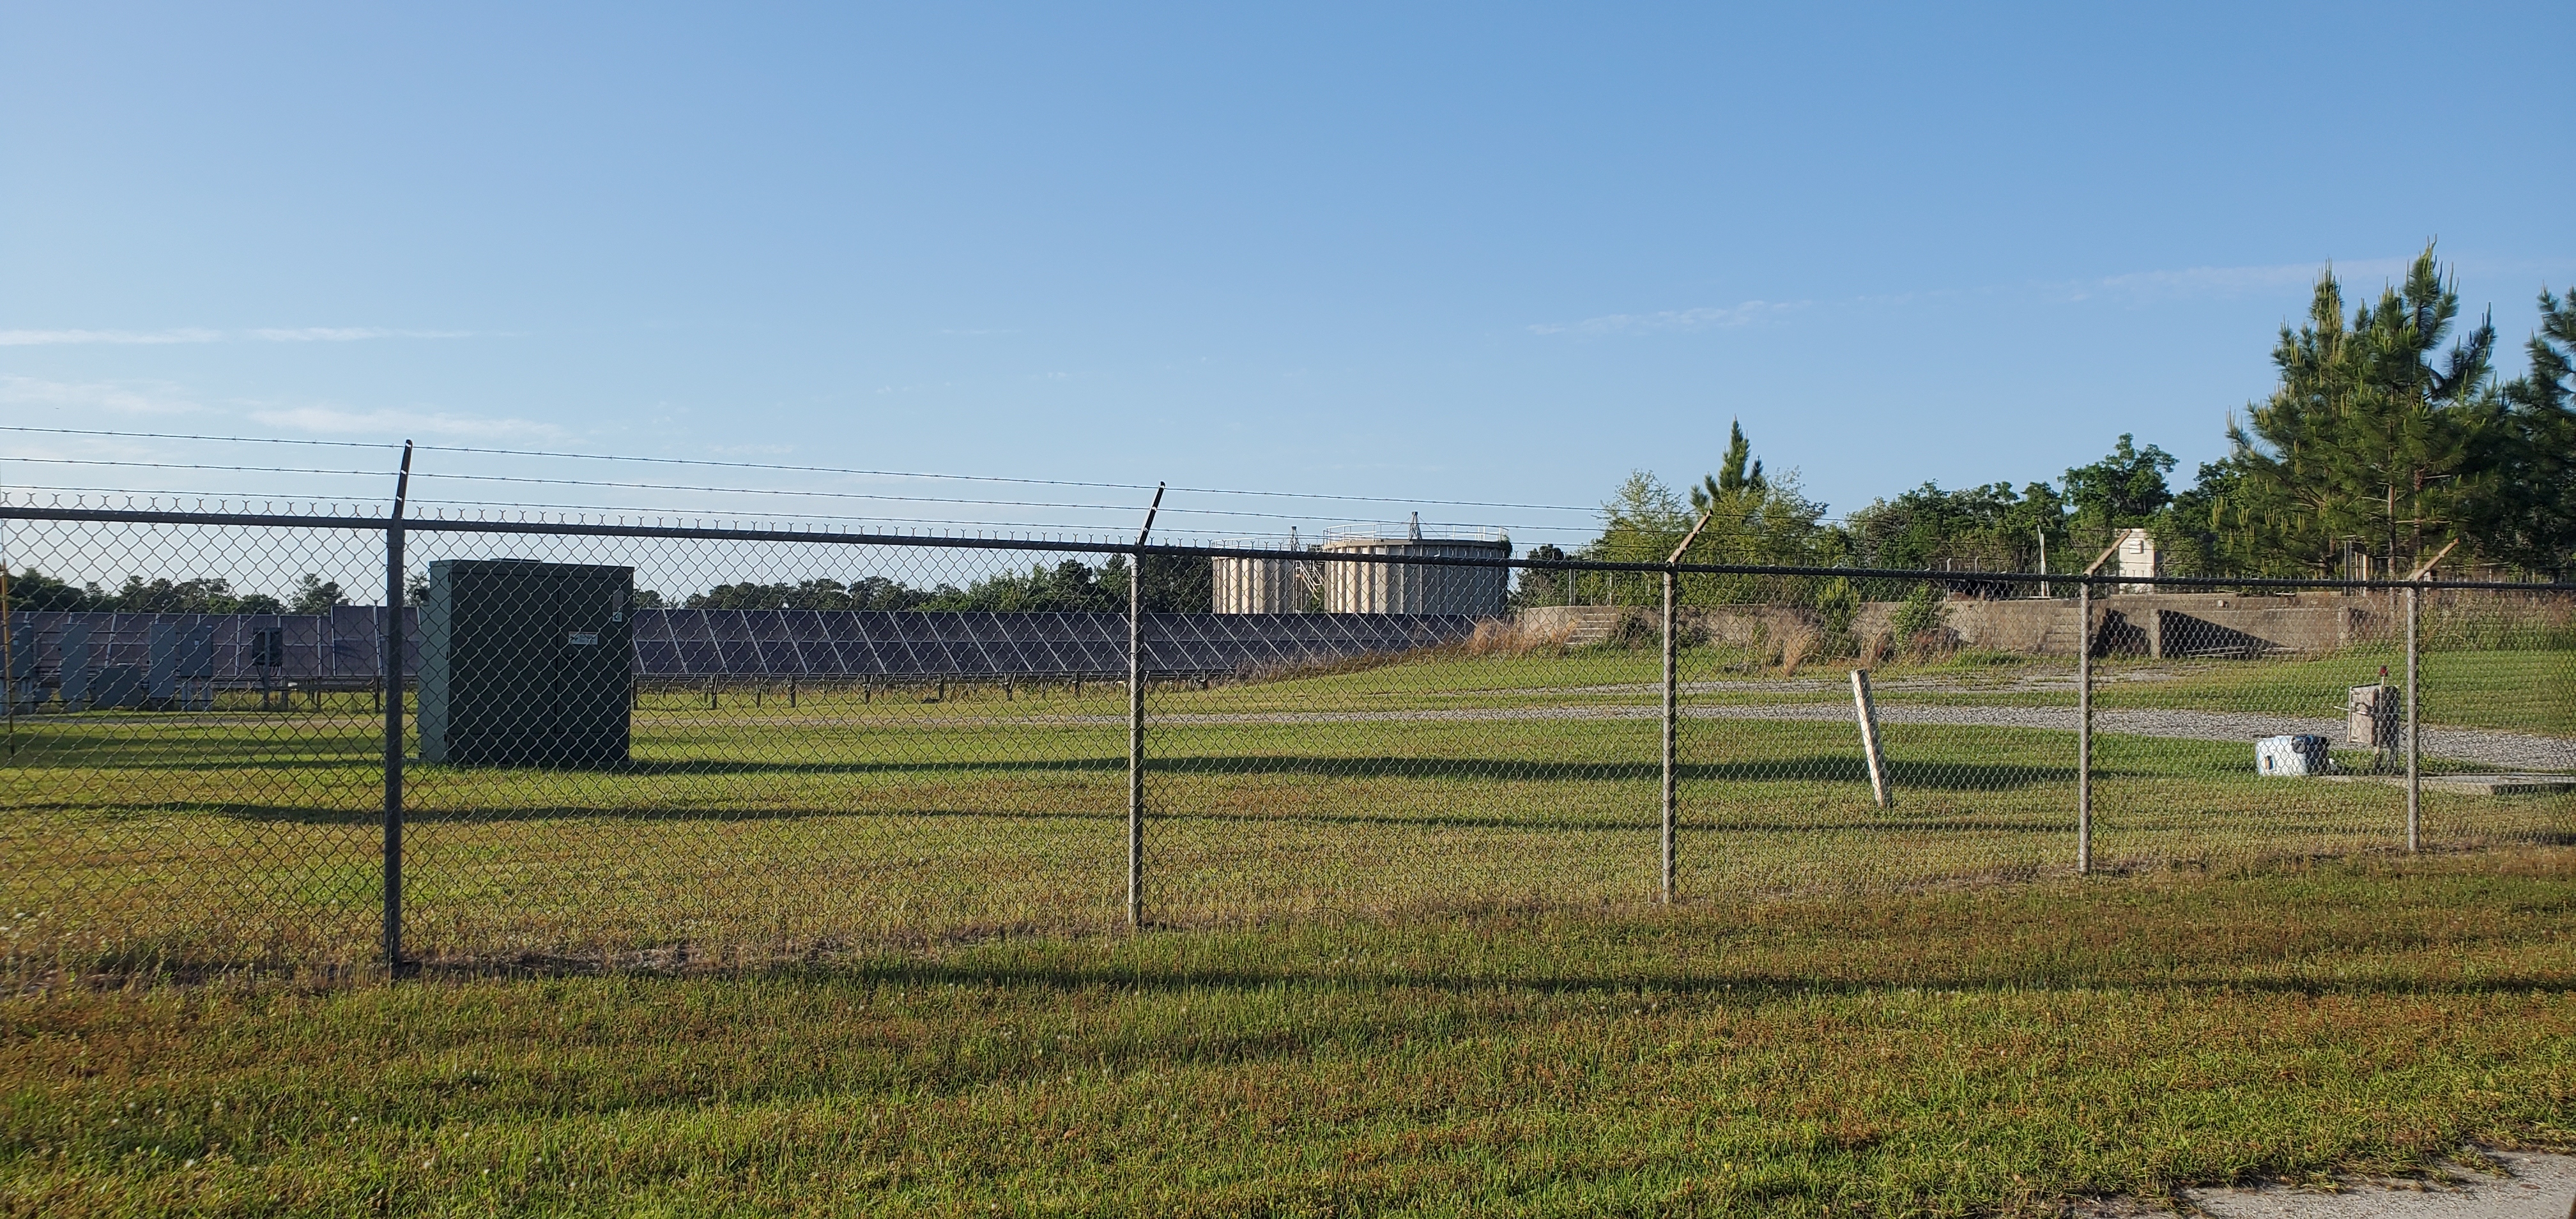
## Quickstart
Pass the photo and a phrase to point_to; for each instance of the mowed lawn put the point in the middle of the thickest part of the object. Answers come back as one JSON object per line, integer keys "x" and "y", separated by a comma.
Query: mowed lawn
{"x": 1980, "y": 1051}
{"x": 869, "y": 955}
{"x": 756, "y": 830}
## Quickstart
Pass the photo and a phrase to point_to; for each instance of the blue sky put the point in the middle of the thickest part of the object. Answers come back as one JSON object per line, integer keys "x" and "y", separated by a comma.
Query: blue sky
{"x": 1472, "y": 253}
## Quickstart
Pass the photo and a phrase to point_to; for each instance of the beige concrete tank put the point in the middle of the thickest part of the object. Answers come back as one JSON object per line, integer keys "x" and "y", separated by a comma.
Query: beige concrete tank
{"x": 1405, "y": 588}
{"x": 1283, "y": 585}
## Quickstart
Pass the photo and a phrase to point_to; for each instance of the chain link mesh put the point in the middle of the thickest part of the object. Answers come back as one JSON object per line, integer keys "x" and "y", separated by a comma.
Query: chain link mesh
{"x": 665, "y": 748}
{"x": 1974, "y": 717}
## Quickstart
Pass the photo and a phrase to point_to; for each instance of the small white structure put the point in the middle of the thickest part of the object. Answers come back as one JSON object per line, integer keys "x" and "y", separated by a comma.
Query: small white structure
{"x": 2134, "y": 554}
{"x": 2291, "y": 755}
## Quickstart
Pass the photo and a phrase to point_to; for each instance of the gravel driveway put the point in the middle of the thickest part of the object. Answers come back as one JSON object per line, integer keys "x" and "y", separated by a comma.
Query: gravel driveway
{"x": 2483, "y": 746}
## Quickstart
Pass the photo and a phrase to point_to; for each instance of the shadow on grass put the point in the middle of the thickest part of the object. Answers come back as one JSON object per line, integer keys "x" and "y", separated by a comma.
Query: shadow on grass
{"x": 1859, "y": 819}
{"x": 2142, "y": 940}
{"x": 1848, "y": 774}
{"x": 1813, "y": 768}
{"x": 1741, "y": 986}
{"x": 1751, "y": 985}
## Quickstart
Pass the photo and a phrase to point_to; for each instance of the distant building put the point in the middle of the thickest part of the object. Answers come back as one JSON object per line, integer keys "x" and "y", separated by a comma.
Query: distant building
{"x": 2134, "y": 554}
{"x": 1301, "y": 580}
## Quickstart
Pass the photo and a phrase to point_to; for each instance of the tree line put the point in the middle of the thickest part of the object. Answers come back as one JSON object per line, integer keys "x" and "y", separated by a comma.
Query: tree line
{"x": 34, "y": 591}
{"x": 1172, "y": 584}
{"x": 2379, "y": 444}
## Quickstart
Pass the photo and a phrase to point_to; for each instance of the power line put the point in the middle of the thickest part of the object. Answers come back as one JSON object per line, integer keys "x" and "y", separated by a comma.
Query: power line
{"x": 1217, "y": 514}
{"x": 191, "y": 465}
{"x": 1229, "y": 513}
{"x": 669, "y": 511}
{"x": 74, "y": 431}
{"x": 750, "y": 465}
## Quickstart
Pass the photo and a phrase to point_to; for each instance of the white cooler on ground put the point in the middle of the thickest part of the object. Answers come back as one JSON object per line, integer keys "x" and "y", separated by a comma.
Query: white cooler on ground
{"x": 2291, "y": 755}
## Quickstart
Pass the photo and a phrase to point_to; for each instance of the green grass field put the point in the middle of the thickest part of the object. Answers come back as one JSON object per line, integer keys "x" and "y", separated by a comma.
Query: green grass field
{"x": 1953, "y": 1052}
{"x": 758, "y": 830}
{"x": 868, "y": 955}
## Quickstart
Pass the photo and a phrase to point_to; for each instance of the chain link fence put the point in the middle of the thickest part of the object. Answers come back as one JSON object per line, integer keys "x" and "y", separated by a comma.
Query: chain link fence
{"x": 646, "y": 746}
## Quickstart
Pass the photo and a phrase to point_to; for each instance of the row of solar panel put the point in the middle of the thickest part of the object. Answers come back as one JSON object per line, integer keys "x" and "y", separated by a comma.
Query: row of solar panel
{"x": 239, "y": 650}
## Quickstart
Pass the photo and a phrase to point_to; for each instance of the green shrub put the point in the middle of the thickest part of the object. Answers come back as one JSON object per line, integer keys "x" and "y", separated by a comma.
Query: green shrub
{"x": 1923, "y": 610}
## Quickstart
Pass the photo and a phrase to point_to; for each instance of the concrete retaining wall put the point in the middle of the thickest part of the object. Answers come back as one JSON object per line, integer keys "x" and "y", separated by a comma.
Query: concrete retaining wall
{"x": 2174, "y": 624}
{"x": 2144, "y": 624}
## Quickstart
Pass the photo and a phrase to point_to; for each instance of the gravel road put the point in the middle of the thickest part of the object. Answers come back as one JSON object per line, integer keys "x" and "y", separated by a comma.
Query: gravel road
{"x": 2482, "y": 746}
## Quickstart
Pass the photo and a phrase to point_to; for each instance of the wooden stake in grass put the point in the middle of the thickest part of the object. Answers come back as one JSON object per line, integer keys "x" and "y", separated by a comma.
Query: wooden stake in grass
{"x": 1879, "y": 787}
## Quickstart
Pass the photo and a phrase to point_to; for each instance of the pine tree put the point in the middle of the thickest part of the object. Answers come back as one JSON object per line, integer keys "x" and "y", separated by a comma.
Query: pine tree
{"x": 2529, "y": 516}
{"x": 1732, "y": 476}
{"x": 2371, "y": 436}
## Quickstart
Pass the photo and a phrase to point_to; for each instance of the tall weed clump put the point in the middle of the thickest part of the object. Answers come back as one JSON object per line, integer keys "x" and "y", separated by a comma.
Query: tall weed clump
{"x": 1921, "y": 625}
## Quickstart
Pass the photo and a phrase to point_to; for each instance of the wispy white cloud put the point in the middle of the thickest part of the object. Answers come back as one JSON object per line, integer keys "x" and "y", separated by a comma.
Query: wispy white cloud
{"x": 114, "y": 397}
{"x": 2239, "y": 281}
{"x": 199, "y": 334}
{"x": 42, "y": 338}
{"x": 1668, "y": 320}
{"x": 333, "y": 421}
{"x": 350, "y": 334}
{"x": 2165, "y": 285}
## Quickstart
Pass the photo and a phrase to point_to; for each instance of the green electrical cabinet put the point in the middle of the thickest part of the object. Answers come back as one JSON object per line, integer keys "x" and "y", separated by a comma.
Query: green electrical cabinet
{"x": 525, "y": 663}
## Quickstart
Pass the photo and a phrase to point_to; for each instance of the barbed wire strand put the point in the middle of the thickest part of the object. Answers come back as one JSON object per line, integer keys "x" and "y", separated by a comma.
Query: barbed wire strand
{"x": 782, "y": 468}
{"x": 879, "y": 497}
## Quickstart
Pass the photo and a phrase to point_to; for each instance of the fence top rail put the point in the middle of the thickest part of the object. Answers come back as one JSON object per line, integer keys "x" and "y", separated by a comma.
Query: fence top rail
{"x": 145, "y": 516}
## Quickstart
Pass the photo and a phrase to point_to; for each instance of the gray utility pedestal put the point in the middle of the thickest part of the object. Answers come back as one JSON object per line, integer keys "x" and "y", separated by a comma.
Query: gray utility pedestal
{"x": 526, "y": 664}
{"x": 2372, "y": 717}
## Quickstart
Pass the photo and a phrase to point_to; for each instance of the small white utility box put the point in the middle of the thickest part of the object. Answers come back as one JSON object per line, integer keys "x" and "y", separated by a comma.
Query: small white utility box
{"x": 2291, "y": 755}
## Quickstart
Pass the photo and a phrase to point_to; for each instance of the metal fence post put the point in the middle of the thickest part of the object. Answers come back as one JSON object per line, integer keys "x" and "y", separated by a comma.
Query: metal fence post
{"x": 1672, "y": 702}
{"x": 2414, "y": 775}
{"x": 392, "y": 650}
{"x": 1672, "y": 691}
{"x": 2084, "y": 714}
{"x": 2084, "y": 726}
{"x": 1136, "y": 720}
{"x": 9, "y": 656}
{"x": 2414, "y": 715}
